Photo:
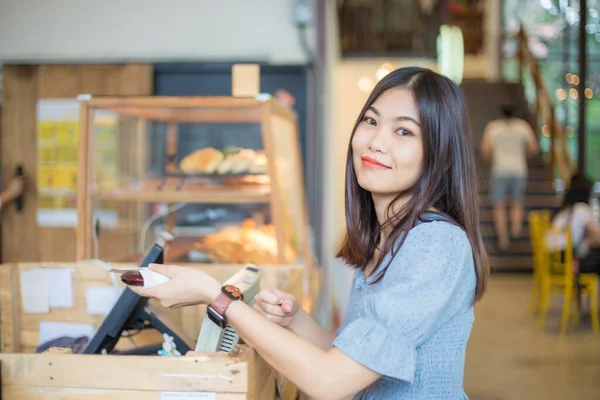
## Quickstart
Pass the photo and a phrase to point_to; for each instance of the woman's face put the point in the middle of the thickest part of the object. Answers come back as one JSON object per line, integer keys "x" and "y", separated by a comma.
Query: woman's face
{"x": 387, "y": 145}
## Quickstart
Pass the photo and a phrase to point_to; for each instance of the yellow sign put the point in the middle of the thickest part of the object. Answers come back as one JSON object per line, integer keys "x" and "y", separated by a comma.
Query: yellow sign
{"x": 58, "y": 146}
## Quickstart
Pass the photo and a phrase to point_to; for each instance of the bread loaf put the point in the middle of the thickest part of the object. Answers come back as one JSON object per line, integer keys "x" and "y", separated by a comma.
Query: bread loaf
{"x": 203, "y": 161}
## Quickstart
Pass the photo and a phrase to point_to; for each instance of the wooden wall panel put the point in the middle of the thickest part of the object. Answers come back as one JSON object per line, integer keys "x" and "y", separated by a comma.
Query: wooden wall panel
{"x": 19, "y": 98}
{"x": 23, "y": 86}
{"x": 58, "y": 81}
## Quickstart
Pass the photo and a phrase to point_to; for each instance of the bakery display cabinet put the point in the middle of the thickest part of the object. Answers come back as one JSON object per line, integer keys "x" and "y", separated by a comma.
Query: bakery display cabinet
{"x": 222, "y": 174}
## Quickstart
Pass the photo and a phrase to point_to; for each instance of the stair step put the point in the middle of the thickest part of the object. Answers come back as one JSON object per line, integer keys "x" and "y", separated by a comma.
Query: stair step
{"x": 533, "y": 187}
{"x": 534, "y": 173}
{"x": 521, "y": 247}
{"x": 536, "y": 201}
{"x": 488, "y": 232}
{"x": 536, "y": 162}
{"x": 519, "y": 263}
{"x": 486, "y": 215}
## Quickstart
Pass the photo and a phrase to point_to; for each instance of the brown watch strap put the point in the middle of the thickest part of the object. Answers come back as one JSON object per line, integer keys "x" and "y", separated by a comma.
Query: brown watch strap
{"x": 221, "y": 303}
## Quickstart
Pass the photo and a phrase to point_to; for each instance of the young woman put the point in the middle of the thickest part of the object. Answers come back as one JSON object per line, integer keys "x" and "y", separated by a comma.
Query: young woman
{"x": 413, "y": 238}
{"x": 576, "y": 213}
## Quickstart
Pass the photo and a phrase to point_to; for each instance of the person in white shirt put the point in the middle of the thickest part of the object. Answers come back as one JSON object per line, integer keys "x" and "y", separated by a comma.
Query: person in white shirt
{"x": 506, "y": 143}
{"x": 576, "y": 213}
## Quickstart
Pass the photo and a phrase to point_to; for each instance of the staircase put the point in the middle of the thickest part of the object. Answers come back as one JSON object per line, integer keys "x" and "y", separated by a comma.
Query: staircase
{"x": 484, "y": 101}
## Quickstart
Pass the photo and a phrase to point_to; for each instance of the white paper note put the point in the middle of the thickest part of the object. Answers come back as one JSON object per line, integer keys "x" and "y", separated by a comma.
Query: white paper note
{"x": 100, "y": 300}
{"x": 34, "y": 291}
{"x": 187, "y": 396}
{"x": 53, "y": 330}
{"x": 60, "y": 287}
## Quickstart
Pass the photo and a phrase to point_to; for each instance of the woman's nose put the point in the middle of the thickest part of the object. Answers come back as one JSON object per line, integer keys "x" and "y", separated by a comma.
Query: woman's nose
{"x": 377, "y": 142}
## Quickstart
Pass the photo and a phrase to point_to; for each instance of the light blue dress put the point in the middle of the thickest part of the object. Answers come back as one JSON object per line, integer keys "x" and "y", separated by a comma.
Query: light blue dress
{"x": 412, "y": 327}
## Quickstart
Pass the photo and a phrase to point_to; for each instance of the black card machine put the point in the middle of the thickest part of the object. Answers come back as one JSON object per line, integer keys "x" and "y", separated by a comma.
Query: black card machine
{"x": 132, "y": 312}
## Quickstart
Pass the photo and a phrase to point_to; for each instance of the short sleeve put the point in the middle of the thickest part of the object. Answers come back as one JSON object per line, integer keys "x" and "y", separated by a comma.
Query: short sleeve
{"x": 526, "y": 130}
{"x": 430, "y": 280}
{"x": 582, "y": 215}
{"x": 488, "y": 131}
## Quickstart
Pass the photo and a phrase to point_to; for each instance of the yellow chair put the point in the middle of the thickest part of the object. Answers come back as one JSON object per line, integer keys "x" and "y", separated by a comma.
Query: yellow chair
{"x": 557, "y": 276}
{"x": 539, "y": 221}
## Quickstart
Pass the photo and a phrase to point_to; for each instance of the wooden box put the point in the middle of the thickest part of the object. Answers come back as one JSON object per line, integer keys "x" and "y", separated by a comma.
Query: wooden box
{"x": 235, "y": 376}
{"x": 241, "y": 374}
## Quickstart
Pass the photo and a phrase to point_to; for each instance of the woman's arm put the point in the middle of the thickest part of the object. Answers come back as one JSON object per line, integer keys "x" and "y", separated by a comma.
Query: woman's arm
{"x": 318, "y": 373}
{"x": 321, "y": 374}
{"x": 592, "y": 231}
{"x": 306, "y": 327}
{"x": 284, "y": 310}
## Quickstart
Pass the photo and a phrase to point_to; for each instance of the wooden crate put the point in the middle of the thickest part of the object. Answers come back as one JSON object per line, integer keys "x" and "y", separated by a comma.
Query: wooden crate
{"x": 239, "y": 375}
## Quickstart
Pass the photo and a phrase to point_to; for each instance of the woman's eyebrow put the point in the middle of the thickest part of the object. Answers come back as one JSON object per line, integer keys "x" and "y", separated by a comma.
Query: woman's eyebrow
{"x": 401, "y": 118}
{"x": 406, "y": 118}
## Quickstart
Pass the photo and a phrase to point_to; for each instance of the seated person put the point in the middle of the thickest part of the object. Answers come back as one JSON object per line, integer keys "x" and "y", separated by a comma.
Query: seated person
{"x": 576, "y": 213}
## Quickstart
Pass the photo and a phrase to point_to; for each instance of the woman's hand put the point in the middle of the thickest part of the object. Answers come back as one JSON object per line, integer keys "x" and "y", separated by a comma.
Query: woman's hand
{"x": 276, "y": 306}
{"x": 187, "y": 287}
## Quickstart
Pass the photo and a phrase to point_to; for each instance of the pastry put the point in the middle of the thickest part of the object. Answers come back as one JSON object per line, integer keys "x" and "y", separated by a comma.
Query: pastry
{"x": 243, "y": 160}
{"x": 244, "y": 244}
{"x": 259, "y": 164}
{"x": 229, "y": 160}
{"x": 203, "y": 161}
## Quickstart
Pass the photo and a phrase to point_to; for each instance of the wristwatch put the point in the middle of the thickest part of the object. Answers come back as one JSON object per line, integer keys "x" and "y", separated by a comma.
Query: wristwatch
{"x": 216, "y": 310}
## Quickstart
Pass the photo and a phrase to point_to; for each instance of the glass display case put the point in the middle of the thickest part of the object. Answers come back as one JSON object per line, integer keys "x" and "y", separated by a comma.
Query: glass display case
{"x": 222, "y": 174}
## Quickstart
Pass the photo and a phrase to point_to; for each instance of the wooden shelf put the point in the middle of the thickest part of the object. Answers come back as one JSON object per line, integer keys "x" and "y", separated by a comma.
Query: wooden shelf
{"x": 154, "y": 193}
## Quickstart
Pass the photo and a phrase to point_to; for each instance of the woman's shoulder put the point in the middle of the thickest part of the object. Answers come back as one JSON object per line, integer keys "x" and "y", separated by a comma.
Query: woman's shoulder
{"x": 438, "y": 231}
{"x": 436, "y": 255}
{"x": 435, "y": 240}
{"x": 583, "y": 208}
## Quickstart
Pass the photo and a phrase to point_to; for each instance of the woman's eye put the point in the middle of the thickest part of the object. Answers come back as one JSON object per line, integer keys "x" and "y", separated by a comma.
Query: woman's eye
{"x": 370, "y": 121}
{"x": 404, "y": 132}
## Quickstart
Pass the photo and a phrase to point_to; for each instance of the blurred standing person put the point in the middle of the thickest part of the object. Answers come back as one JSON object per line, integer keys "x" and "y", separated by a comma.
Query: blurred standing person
{"x": 506, "y": 143}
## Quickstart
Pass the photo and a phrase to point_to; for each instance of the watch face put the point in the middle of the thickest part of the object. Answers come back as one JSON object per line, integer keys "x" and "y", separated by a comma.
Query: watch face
{"x": 232, "y": 292}
{"x": 216, "y": 317}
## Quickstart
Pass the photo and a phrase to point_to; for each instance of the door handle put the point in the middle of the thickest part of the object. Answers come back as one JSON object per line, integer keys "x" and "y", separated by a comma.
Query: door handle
{"x": 19, "y": 200}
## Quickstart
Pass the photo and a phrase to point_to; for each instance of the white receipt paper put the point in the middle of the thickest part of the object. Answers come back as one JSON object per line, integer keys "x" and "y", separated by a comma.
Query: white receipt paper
{"x": 152, "y": 278}
{"x": 187, "y": 396}
{"x": 34, "y": 291}
{"x": 53, "y": 330}
{"x": 60, "y": 287}
{"x": 100, "y": 300}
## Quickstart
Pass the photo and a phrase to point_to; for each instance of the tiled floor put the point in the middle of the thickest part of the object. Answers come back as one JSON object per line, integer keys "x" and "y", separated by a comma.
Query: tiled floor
{"x": 508, "y": 358}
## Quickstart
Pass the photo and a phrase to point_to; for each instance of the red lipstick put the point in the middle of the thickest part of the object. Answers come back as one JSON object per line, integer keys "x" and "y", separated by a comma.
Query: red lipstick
{"x": 373, "y": 163}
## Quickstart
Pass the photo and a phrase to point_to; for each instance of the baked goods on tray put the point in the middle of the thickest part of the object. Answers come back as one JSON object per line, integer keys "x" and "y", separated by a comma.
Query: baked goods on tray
{"x": 203, "y": 161}
{"x": 232, "y": 160}
{"x": 244, "y": 244}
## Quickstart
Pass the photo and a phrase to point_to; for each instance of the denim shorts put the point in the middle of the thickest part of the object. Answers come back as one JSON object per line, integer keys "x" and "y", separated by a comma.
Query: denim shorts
{"x": 508, "y": 186}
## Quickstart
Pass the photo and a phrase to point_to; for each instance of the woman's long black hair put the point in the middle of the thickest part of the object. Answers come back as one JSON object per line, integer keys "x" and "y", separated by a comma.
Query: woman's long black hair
{"x": 579, "y": 191}
{"x": 448, "y": 184}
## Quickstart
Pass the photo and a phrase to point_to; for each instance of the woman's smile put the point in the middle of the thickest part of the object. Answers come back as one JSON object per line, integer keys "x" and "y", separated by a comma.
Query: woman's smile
{"x": 369, "y": 162}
